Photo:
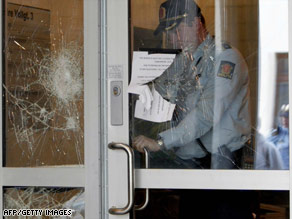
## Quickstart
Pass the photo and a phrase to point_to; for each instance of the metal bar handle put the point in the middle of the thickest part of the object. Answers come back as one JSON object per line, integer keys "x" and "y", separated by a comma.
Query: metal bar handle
{"x": 143, "y": 205}
{"x": 131, "y": 177}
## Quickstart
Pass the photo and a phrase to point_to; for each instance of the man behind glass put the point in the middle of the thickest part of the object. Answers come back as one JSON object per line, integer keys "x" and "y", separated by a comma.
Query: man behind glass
{"x": 209, "y": 85}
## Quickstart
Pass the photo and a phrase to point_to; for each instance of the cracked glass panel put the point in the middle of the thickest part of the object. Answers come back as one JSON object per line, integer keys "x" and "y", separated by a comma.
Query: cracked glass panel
{"x": 209, "y": 83}
{"x": 43, "y": 83}
{"x": 45, "y": 199}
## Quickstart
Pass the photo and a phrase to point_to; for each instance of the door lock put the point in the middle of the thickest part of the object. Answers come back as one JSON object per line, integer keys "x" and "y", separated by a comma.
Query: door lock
{"x": 116, "y": 91}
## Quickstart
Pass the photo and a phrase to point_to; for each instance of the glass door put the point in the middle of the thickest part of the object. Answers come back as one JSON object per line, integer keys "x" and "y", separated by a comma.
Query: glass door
{"x": 50, "y": 143}
{"x": 203, "y": 86}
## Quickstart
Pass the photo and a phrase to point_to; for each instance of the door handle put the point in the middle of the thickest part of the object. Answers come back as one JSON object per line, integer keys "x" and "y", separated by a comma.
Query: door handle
{"x": 131, "y": 179}
{"x": 145, "y": 203}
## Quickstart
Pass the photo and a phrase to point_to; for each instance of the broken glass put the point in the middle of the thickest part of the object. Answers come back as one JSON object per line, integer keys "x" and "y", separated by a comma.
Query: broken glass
{"x": 43, "y": 83}
{"x": 45, "y": 199}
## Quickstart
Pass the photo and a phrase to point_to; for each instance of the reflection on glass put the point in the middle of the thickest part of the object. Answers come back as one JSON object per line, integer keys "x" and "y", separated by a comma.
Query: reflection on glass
{"x": 280, "y": 136}
{"x": 211, "y": 204}
{"x": 43, "y": 83}
{"x": 45, "y": 198}
{"x": 215, "y": 81}
{"x": 273, "y": 113}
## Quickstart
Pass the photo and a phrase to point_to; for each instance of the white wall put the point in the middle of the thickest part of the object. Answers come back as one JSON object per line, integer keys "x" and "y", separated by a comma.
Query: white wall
{"x": 273, "y": 39}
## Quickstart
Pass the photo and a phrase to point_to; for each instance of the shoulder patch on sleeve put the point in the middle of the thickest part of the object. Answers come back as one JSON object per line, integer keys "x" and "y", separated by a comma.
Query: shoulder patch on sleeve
{"x": 226, "y": 69}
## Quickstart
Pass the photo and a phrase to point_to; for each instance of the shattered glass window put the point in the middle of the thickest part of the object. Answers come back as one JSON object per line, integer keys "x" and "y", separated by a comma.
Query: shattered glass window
{"x": 39, "y": 198}
{"x": 221, "y": 102}
{"x": 43, "y": 83}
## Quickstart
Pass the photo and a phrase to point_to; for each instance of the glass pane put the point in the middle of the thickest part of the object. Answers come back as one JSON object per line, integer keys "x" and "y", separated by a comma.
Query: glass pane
{"x": 209, "y": 83}
{"x": 211, "y": 204}
{"x": 51, "y": 202}
{"x": 43, "y": 83}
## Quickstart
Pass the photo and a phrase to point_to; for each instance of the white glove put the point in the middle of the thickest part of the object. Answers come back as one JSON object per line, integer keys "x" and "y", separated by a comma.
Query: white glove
{"x": 146, "y": 97}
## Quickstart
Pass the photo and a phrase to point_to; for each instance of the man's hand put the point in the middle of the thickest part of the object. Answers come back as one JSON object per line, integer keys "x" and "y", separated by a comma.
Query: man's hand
{"x": 141, "y": 142}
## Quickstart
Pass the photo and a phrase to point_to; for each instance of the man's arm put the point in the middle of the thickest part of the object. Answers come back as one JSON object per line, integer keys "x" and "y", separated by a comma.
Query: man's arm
{"x": 219, "y": 93}
{"x": 168, "y": 83}
{"x": 198, "y": 121}
{"x": 231, "y": 76}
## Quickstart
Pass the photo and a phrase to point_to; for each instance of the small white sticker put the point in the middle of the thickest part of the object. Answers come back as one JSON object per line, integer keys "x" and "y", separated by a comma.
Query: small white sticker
{"x": 115, "y": 71}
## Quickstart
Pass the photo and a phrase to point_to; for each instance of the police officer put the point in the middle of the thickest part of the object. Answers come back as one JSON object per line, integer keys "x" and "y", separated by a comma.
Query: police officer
{"x": 280, "y": 136}
{"x": 209, "y": 85}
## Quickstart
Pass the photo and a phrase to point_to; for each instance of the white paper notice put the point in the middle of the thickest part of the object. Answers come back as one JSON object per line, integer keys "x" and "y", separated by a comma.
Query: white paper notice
{"x": 160, "y": 111}
{"x": 146, "y": 68}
